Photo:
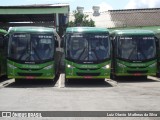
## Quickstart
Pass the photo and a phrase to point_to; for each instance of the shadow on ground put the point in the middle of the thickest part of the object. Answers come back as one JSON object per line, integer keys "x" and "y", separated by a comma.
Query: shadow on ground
{"x": 89, "y": 83}
{"x": 22, "y": 83}
{"x": 3, "y": 78}
{"x": 128, "y": 79}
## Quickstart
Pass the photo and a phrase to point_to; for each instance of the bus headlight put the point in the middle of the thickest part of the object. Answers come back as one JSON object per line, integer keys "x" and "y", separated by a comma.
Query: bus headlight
{"x": 12, "y": 66}
{"x": 48, "y": 67}
{"x": 106, "y": 67}
{"x": 153, "y": 65}
{"x": 121, "y": 65}
{"x": 70, "y": 66}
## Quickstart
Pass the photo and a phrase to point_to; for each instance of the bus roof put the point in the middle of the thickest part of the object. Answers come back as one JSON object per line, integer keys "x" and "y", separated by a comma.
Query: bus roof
{"x": 3, "y": 31}
{"x": 86, "y": 30}
{"x": 132, "y": 32}
{"x": 31, "y": 29}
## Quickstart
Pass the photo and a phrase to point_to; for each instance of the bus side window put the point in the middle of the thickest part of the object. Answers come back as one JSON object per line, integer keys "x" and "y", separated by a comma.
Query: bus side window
{"x": 111, "y": 38}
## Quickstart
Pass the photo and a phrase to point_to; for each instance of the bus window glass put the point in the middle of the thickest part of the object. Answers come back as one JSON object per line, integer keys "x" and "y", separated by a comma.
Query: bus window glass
{"x": 42, "y": 47}
{"x": 79, "y": 49}
{"x": 136, "y": 48}
{"x": 88, "y": 47}
{"x": 18, "y": 45}
{"x": 99, "y": 48}
{"x": 31, "y": 47}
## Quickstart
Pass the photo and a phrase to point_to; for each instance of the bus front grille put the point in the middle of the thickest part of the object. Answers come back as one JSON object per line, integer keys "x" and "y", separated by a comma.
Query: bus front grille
{"x": 88, "y": 74}
{"x": 134, "y": 72}
{"x": 30, "y": 74}
{"x": 88, "y": 68}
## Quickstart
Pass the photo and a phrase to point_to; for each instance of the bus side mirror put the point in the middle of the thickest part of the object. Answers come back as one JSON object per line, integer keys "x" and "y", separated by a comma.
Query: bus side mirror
{"x": 55, "y": 37}
{"x": 62, "y": 42}
{"x": 157, "y": 42}
{"x": 110, "y": 38}
{"x": 1, "y": 41}
{"x": 157, "y": 45}
{"x": 56, "y": 44}
{"x": 6, "y": 38}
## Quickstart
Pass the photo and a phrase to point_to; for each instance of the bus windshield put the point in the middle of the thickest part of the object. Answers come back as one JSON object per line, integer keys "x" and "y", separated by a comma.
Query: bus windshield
{"x": 31, "y": 47}
{"x": 87, "y": 47}
{"x": 136, "y": 48}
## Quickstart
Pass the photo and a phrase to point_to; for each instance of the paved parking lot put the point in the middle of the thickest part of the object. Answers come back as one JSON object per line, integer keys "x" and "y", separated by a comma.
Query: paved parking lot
{"x": 125, "y": 94}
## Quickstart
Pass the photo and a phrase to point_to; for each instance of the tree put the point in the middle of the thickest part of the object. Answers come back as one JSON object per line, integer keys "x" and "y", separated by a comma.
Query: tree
{"x": 81, "y": 20}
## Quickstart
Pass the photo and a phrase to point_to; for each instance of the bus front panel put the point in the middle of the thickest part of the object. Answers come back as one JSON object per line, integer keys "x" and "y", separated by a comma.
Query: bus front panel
{"x": 135, "y": 55}
{"x": 124, "y": 68}
{"x": 31, "y": 56}
{"x": 31, "y": 71}
{"x": 87, "y": 71}
{"x": 87, "y": 55}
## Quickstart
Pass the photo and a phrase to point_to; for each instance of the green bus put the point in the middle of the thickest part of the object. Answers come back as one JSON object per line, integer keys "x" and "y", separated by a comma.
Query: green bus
{"x": 156, "y": 30}
{"x": 134, "y": 53}
{"x": 32, "y": 53}
{"x": 87, "y": 53}
{"x": 3, "y": 52}
{"x": 157, "y": 34}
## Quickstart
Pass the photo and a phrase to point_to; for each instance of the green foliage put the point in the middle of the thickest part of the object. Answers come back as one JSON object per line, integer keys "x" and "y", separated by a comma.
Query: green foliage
{"x": 81, "y": 20}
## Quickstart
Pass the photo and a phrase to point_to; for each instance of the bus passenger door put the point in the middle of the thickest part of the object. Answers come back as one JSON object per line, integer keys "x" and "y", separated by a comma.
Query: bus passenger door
{"x": 112, "y": 38}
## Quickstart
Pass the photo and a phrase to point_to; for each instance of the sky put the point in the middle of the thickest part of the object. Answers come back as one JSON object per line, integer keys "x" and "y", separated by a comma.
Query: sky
{"x": 87, "y": 4}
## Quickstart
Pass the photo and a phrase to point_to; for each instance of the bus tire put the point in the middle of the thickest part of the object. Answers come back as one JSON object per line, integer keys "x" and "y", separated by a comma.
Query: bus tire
{"x": 158, "y": 74}
{"x": 144, "y": 77}
{"x": 112, "y": 76}
{"x": 18, "y": 80}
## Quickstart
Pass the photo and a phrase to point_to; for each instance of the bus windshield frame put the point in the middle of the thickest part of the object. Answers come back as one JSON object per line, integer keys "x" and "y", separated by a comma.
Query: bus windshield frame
{"x": 31, "y": 48}
{"x": 87, "y": 47}
{"x": 136, "y": 48}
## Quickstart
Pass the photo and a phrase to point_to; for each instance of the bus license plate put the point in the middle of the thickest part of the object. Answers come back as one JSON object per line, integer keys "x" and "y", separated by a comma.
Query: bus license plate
{"x": 30, "y": 77}
{"x": 88, "y": 77}
{"x": 137, "y": 74}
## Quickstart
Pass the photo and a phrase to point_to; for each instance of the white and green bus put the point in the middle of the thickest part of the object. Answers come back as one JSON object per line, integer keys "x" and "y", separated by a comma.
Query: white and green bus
{"x": 32, "y": 53}
{"x": 134, "y": 53}
{"x": 87, "y": 53}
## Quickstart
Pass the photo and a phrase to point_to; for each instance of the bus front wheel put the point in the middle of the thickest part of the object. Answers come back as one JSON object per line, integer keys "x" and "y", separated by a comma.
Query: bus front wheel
{"x": 113, "y": 77}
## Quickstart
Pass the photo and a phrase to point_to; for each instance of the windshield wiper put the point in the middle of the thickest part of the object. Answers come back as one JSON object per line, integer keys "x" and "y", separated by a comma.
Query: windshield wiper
{"x": 82, "y": 52}
{"x": 25, "y": 52}
{"x": 95, "y": 54}
{"x": 132, "y": 52}
{"x": 142, "y": 52}
{"x": 37, "y": 54}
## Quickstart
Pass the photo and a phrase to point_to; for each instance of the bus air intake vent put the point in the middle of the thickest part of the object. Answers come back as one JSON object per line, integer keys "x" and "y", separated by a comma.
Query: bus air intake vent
{"x": 30, "y": 74}
{"x": 88, "y": 74}
{"x": 134, "y": 72}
